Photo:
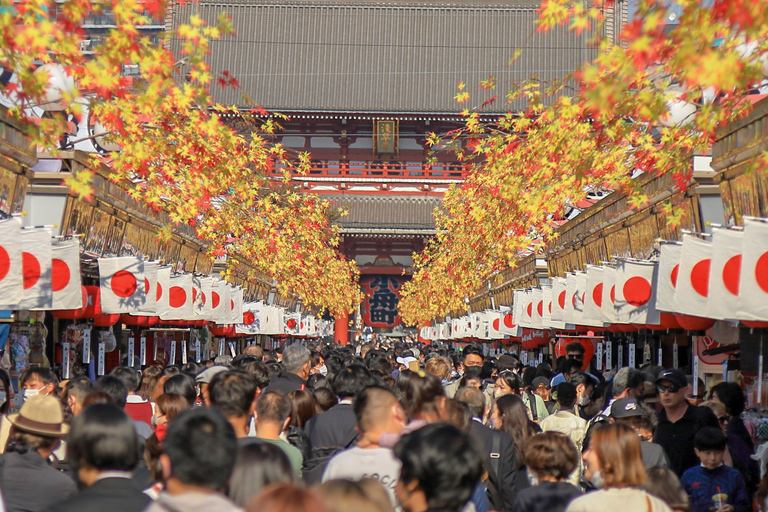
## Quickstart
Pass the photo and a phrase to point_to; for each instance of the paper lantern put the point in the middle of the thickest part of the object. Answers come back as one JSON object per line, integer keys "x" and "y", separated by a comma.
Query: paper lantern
{"x": 59, "y": 84}
{"x": 755, "y": 324}
{"x": 72, "y": 314}
{"x": 694, "y": 323}
{"x": 589, "y": 348}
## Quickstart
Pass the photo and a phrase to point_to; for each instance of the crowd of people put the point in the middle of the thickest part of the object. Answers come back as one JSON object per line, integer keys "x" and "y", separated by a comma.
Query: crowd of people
{"x": 376, "y": 427}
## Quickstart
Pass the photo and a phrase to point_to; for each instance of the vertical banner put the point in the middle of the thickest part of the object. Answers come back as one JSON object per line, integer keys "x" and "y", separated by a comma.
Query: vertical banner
{"x": 524, "y": 358}
{"x": 100, "y": 362}
{"x": 131, "y": 348}
{"x": 541, "y": 357}
{"x": 220, "y": 352}
{"x": 87, "y": 346}
{"x": 197, "y": 350}
{"x": 674, "y": 356}
{"x": 695, "y": 373}
{"x": 184, "y": 351}
{"x": 631, "y": 362}
{"x": 619, "y": 356}
{"x": 172, "y": 358}
{"x": 65, "y": 361}
{"x": 143, "y": 350}
{"x": 232, "y": 348}
{"x": 608, "y": 355}
{"x": 661, "y": 353}
{"x": 599, "y": 360}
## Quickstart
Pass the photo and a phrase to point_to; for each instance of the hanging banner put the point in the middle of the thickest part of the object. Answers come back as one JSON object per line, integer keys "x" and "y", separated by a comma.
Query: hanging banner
{"x": 172, "y": 357}
{"x": 608, "y": 356}
{"x": 36, "y": 269}
{"x": 122, "y": 285}
{"x": 65, "y": 361}
{"x": 631, "y": 356}
{"x": 692, "y": 291}
{"x": 379, "y": 309}
{"x": 666, "y": 280}
{"x": 753, "y": 279}
{"x": 634, "y": 295}
{"x": 599, "y": 359}
{"x": 130, "y": 351}
{"x": 151, "y": 291}
{"x": 184, "y": 351}
{"x": 143, "y": 350}
{"x": 593, "y": 298}
{"x": 724, "y": 274}
{"x": 86, "y": 346}
{"x": 100, "y": 361}
{"x": 607, "y": 305}
{"x": 66, "y": 282}
{"x": 11, "y": 274}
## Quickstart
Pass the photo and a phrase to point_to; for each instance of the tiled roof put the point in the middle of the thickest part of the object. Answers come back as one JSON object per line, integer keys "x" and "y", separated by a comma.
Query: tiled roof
{"x": 392, "y": 56}
{"x": 382, "y": 214}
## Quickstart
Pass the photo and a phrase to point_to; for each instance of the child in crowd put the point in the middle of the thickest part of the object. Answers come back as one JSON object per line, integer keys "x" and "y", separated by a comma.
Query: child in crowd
{"x": 713, "y": 485}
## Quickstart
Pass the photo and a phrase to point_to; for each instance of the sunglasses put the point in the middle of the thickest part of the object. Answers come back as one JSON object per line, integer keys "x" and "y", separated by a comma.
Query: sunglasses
{"x": 575, "y": 356}
{"x": 667, "y": 389}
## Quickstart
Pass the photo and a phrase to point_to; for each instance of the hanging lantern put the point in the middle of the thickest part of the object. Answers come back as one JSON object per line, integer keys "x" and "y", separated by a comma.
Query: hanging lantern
{"x": 589, "y": 348}
{"x": 60, "y": 83}
{"x": 755, "y": 324}
{"x": 694, "y": 323}
{"x": 72, "y": 314}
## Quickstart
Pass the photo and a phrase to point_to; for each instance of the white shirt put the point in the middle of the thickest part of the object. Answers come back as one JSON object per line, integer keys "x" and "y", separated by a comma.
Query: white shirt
{"x": 356, "y": 463}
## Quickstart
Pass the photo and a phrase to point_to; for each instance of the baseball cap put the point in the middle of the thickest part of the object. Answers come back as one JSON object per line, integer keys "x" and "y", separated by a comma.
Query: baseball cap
{"x": 626, "y": 408}
{"x": 406, "y": 360}
{"x": 673, "y": 375}
{"x": 538, "y": 381}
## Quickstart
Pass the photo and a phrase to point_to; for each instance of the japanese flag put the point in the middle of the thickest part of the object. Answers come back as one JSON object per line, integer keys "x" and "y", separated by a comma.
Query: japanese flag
{"x": 235, "y": 305}
{"x": 201, "y": 293}
{"x": 634, "y": 293}
{"x": 520, "y": 309}
{"x": 546, "y": 319}
{"x": 65, "y": 280}
{"x": 36, "y": 268}
{"x": 608, "y": 305}
{"x": 593, "y": 297}
{"x": 753, "y": 280}
{"x": 122, "y": 285}
{"x": 304, "y": 326}
{"x": 558, "y": 300}
{"x": 251, "y": 322}
{"x": 445, "y": 331}
{"x": 273, "y": 320}
{"x": 292, "y": 324}
{"x": 180, "y": 299}
{"x": 692, "y": 291}
{"x": 11, "y": 277}
{"x": 571, "y": 290}
{"x": 579, "y": 295}
{"x": 724, "y": 274}
{"x": 221, "y": 310}
{"x": 669, "y": 270}
{"x": 507, "y": 325}
{"x": 494, "y": 324}
{"x": 162, "y": 306}
{"x": 150, "y": 288}
{"x": 537, "y": 307}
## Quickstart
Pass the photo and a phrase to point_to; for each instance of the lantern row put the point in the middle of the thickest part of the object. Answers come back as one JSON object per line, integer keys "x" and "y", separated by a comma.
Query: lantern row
{"x": 724, "y": 278}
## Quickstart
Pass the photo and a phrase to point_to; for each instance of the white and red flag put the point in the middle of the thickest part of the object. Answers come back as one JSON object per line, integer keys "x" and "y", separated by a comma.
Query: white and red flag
{"x": 571, "y": 289}
{"x": 669, "y": 272}
{"x": 520, "y": 309}
{"x": 122, "y": 285}
{"x": 180, "y": 305}
{"x": 11, "y": 277}
{"x": 608, "y": 306}
{"x": 753, "y": 280}
{"x": 724, "y": 274}
{"x": 221, "y": 311}
{"x": 634, "y": 295}
{"x": 593, "y": 297}
{"x": 36, "y": 268}
{"x": 65, "y": 275}
{"x": 494, "y": 324}
{"x": 163, "y": 285}
{"x": 578, "y": 298}
{"x": 537, "y": 307}
{"x": 692, "y": 290}
{"x": 558, "y": 300}
{"x": 235, "y": 305}
{"x": 150, "y": 289}
{"x": 202, "y": 301}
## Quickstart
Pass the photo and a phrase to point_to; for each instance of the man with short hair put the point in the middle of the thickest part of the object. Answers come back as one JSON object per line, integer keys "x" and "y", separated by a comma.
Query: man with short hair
{"x": 570, "y": 368}
{"x": 117, "y": 391}
{"x": 273, "y": 414}
{"x": 199, "y": 454}
{"x": 504, "y": 479}
{"x": 233, "y": 393}
{"x": 628, "y": 382}
{"x": 471, "y": 356}
{"x": 75, "y": 392}
{"x": 574, "y": 351}
{"x": 541, "y": 387}
{"x": 679, "y": 421}
{"x": 254, "y": 350}
{"x": 297, "y": 364}
{"x": 377, "y": 411}
{"x": 135, "y": 406}
{"x": 565, "y": 420}
{"x": 629, "y": 411}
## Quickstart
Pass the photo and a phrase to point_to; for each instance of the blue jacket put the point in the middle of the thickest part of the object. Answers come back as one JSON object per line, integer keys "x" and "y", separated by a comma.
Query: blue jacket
{"x": 701, "y": 484}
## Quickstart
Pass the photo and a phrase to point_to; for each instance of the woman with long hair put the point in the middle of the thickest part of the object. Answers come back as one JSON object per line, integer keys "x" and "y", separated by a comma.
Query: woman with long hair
{"x": 258, "y": 466}
{"x": 148, "y": 381}
{"x": 614, "y": 464}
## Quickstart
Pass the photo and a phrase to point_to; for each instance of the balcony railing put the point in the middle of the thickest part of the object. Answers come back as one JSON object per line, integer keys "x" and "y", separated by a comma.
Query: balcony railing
{"x": 389, "y": 171}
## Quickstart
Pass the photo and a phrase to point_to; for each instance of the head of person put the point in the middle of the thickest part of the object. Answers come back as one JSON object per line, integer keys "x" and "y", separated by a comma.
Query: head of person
{"x": 440, "y": 468}
{"x": 366, "y": 495}
{"x": 663, "y": 483}
{"x": 709, "y": 444}
{"x": 507, "y": 383}
{"x": 233, "y": 393}
{"x": 474, "y": 399}
{"x": 38, "y": 426}
{"x": 318, "y": 364}
{"x": 256, "y": 467}
{"x": 457, "y": 414}
{"x": 550, "y": 456}
{"x": 297, "y": 360}
{"x": 285, "y": 498}
{"x": 613, "y": 458}
{"x": 128, "y": 376}
{"x": 274, "y": 409}
{"x": 303, "y": 407}
{"x": 259, "y": 372}
{"x": 75, "y": 392}
{"x": 168, "y": 406}
{"x": 510, "y": 414}
{"x": 182, "y": 384}
{"x": 575, "y": 351}
{"x": 730, "y": 395}
{"x": 200, "y": 451}
{"x": 701, "y": 390}
{"x": 438, "y": 367}
{"x": 628, "y": 382}
{"x": 350, "y": 380}
{"x": 102, "y": 439}
{"x": 113, "y": 387}
{"x": 571, "y": 367}
{"x": 38, "y": 381}
{"x": 720, "y": 412}
{"x": 422, "y": 395}
{"x": 585, "y": 385}
{"x": 471, "y": 378}
{"x": 472, "y": 355}
{"x": 566, "y": 395}
{"x": 507, "y": 362}
{"x": 672, "y": 386}
{"x": 325, "y": 399}
{"x": 541, "y": 387}
{"x": 377, "y": 410}
{"x": 255, "y": 351}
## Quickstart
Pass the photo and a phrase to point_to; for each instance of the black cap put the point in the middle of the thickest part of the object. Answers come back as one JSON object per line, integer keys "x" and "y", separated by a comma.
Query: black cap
{"x": 626, "y": 408}
{"x": 674, "y": 376}
{"x": 538, "y": 381}
{"x": 508, "y": 362}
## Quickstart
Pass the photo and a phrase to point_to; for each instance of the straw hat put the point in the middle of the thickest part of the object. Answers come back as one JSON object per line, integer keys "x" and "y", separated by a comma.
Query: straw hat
{"x": 42, "y": 415}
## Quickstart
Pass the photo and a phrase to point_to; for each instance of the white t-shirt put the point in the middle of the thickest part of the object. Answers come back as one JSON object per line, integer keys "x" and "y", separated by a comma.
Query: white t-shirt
{"x": 356, "y": 463}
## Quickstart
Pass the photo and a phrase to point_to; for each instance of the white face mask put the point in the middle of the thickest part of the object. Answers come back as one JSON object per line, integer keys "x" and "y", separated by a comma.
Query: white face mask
{"x": 323, "y": 370}
{"x": 533, "y": 479}
{"x": 2, "y": 397}
{"x": 583, "y": 401}
{"x": 26, "y": 393}
{"x": 597, "y": 479}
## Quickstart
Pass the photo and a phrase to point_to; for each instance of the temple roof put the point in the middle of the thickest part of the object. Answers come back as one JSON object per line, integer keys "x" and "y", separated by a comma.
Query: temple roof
{"x": 392, "y": 56}
{"x": 371, "y": 214}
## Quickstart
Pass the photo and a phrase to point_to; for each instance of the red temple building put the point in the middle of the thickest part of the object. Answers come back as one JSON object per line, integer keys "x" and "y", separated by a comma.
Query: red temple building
{"x": 363, "y": 83}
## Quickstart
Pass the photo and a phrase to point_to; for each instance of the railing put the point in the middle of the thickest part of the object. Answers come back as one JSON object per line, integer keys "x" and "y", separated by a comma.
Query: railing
{"x": 417, "y": 171}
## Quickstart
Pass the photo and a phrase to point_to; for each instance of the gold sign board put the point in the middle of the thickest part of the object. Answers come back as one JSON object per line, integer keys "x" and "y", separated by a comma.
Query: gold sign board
{"x": 385, "y": 137}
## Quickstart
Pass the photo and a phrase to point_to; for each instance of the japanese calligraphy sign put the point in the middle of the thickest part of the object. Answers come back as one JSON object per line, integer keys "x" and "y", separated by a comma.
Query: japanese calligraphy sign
{"x": 380, "y": 305}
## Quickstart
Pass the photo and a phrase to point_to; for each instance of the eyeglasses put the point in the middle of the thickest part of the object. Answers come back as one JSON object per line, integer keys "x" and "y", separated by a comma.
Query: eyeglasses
{"x": 667, "y": 389}
{"x": 577, "y": 357}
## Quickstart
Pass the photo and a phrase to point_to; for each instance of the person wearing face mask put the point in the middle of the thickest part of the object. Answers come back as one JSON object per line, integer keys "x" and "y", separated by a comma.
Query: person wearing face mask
{"x": 614, "y": 465}
{"x": 584, "y": 387}
{"x": 318, "y": 364}
{"x": 35, "y": 381}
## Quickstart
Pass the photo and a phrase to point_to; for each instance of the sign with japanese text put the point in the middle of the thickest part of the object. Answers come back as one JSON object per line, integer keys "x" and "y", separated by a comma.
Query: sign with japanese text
{"x": 380, "y": 305}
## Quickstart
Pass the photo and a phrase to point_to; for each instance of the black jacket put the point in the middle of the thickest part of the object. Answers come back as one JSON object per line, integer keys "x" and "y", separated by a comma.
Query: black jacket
{"x": 546, "y": 497}
{"x": 677, "y": 438}
{"x": 30, "y": 484}
{"x": 328, "y": 433}
{"x": 107, "y": 495}
{"x": 507, "y": 483}
{"x": 285, "y": 383}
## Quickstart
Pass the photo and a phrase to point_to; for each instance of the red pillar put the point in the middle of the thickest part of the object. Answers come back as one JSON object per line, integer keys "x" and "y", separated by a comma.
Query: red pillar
{"x": 341, "y": 328}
